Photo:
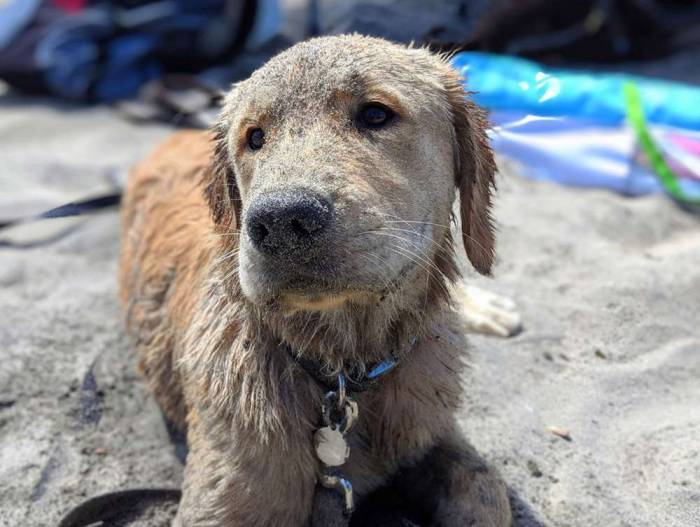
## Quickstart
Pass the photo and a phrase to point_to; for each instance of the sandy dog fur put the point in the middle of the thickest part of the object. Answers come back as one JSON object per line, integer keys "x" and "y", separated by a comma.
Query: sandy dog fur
{"x": 209, "y": 313}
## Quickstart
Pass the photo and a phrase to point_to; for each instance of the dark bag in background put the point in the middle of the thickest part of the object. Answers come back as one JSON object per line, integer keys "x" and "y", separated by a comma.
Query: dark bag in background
{"x": 600, "y": 31}
{"x": 552, "y": 31}
{"x": 94, "y": 50}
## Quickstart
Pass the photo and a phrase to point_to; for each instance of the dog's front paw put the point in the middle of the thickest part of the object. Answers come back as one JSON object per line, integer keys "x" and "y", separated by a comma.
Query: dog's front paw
{"x": 486, "y": 312}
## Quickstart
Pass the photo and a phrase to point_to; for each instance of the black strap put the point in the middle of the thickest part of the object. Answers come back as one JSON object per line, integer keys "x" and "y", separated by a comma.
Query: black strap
{"x": 74, "y": 208}
{"x": 116, "y": 505}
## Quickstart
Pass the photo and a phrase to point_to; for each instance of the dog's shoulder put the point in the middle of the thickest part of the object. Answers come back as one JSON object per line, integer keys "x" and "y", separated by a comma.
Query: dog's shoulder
{"x": 188, "y": 150}
{"x": 167, "y": 228}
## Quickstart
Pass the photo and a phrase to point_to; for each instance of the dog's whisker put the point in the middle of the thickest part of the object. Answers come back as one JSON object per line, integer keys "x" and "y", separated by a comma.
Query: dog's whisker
{"x": 414, "y": 222}
{"x": 399, "y": 219}
{"x": 403, "y": 239}
{"x": 471, "y": 238}
{"x": 227, "y": 256}
{"x": 423, "y": 236}
{"x": 229, "y": 275}
{"x": 433, "y": 270}
{"x": 419, "y": 261}
{"x": 429, "y": 273}
{"x": 416, "y": 255}
{"x": 384, "y": 275}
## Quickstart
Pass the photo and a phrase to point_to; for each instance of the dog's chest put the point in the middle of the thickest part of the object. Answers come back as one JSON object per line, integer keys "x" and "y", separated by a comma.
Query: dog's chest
{"x": 397, "y": 424}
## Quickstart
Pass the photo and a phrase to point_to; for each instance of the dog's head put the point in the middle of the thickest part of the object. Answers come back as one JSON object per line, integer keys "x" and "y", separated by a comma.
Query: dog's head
{"x": 338, "y": 161}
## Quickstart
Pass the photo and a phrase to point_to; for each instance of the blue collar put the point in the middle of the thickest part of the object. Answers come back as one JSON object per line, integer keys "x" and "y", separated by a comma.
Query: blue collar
{"x": 357, "y": 379}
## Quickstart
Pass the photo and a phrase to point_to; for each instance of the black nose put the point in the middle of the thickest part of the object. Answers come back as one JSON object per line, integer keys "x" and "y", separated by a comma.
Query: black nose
{"x": 288, "y": 223}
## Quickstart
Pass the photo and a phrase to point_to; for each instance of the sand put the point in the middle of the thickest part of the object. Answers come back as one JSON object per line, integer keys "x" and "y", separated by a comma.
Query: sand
{"x": 608, "y": 288}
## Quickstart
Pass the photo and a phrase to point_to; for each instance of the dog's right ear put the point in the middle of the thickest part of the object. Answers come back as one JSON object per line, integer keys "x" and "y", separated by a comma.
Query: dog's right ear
{"x": 220, "y": 187}
{"x": 474, "y": 175}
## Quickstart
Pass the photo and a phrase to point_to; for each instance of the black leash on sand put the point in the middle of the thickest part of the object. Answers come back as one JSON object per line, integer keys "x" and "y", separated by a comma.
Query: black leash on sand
{"x": 74, "y": 208}
{"x": 113, "y": 506}
{"x": 127, "y": 505}
{"x": 118, "y": 506}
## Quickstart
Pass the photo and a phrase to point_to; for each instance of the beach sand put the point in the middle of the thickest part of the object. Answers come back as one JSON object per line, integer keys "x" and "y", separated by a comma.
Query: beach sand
{"x": 608, "y": 288}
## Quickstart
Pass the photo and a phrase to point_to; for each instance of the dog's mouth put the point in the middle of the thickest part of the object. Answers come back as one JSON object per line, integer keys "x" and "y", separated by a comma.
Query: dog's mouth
{"x": 349, "y": 272}
{"x": 294, "y": 301}
{"x": 311, "y": 294}
{"x": 304, "y": 288}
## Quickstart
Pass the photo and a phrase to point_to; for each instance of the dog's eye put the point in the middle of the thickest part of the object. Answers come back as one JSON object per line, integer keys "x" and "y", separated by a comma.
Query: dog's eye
{"x": 375, "y": 115}
{"x": 256, "y": 139}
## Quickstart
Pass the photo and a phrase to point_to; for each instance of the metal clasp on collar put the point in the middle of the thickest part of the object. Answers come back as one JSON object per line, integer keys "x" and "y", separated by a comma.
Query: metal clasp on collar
{"x": 338, "y": 410}
{"x": 340, "y": 413}
{"x": 342, "y": 485}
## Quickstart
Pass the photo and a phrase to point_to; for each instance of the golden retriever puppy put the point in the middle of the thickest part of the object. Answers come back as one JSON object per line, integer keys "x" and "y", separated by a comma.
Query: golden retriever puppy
{"x": 292, "y": 271}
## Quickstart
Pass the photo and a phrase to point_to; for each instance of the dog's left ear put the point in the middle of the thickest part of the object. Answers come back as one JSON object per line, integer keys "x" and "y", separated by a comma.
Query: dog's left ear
{"x": 219, "y": 182}
{"x": 474, "y": 175}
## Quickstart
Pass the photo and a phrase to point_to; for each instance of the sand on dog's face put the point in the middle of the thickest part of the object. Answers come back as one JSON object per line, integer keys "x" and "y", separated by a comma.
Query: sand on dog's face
{"x": 390, "y": 189}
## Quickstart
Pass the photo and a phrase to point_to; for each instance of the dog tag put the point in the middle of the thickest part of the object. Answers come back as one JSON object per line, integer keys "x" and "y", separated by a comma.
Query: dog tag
{"x": 331, "y": 447}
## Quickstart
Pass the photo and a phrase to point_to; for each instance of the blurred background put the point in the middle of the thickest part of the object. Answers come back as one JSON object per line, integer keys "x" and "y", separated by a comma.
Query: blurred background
{"x": 591, "y": 413}
{"x": 580, "y": 62}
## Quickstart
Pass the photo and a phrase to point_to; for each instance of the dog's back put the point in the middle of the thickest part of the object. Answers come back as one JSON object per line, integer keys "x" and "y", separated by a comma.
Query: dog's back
{"x": 166, "y": 242}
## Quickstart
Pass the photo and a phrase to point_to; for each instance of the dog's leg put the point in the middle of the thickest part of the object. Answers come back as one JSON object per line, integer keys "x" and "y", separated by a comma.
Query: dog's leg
{"x": 231, "y": 480}
{"x": 455, "y": 487}
{"x": 473, "y": 493}
{"x": 487, "y": 313}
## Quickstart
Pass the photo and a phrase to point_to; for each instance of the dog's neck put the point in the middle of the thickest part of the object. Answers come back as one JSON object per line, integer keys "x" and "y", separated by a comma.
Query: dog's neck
{"x": 353, "y": 336}
{"x": 355, "y": 333}
{"x": 360, "y": 334}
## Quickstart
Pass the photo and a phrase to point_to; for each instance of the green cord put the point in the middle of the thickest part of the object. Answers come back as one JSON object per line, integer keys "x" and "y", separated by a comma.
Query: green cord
{"x": 635, "y": 114}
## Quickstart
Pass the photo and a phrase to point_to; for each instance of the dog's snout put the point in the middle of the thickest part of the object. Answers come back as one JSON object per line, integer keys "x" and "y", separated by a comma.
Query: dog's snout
{"x": 289, "y": 222}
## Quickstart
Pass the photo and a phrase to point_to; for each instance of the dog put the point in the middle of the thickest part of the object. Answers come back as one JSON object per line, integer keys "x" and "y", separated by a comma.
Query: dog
{"x": 302, "y": 242}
